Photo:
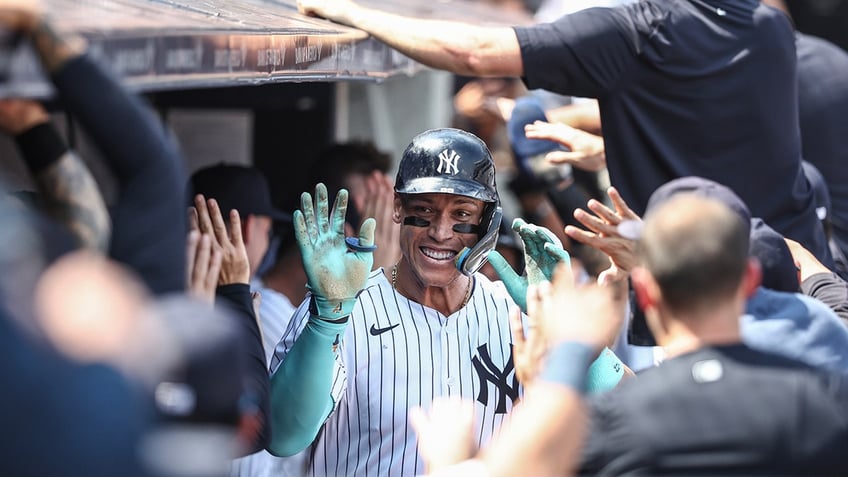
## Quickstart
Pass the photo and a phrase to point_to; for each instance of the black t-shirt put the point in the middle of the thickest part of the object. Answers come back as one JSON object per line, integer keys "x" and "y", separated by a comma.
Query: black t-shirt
{"x": 688, "y": 87}
{"x": 823, "y": 107}
{"x": 722, "y": 410}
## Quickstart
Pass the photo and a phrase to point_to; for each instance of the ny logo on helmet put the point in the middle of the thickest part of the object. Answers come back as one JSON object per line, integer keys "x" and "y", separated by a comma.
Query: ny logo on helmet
{"x": 449, "y": 160}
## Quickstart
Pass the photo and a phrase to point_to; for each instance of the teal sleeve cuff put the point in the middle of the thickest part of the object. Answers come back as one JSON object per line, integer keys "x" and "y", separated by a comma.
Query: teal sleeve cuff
{"x": 605, "y": 373}
{"x": 301, "y": 387}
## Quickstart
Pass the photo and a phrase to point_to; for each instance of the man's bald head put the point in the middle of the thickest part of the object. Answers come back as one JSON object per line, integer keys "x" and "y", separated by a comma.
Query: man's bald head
{"x": 696, "y": 249}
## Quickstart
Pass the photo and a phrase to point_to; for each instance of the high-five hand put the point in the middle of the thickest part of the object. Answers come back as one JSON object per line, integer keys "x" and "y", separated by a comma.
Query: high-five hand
{"x": 335, "y": 273}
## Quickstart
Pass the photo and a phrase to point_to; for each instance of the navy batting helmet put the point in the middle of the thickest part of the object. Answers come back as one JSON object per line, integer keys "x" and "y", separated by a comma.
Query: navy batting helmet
{"x": 452, "y": 161}
{"x": 448, "y": 161}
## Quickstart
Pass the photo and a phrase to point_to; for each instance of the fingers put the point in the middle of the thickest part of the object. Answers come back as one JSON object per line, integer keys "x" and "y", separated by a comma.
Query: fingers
{"x": 339, "y": 212}
{"x": 563, "y": 277}
{"x": 204, "y": 222}
{"x": 192, "y": 219}
{"x": 558, "y": 253}
{"x": 322, "y": 204}
{"x": 611, "y": 217}
{"x": 308, "y": 216}
{"x": 366, "y": 232}
{"x": 582, "y": 236}
{"x": 219, "y": 228}
{"x": 595, "y": 224}
{"x": 235, "y": 229}
{"x": 192, "y": 240}
{"x": 502, "y": 267}
{"x": 517, "y": 328}
{"x": 621, "y": 206}
{"x": 216, "y": 261}
{"x": 304, "y": 240}
{"x": 201, "y": 262}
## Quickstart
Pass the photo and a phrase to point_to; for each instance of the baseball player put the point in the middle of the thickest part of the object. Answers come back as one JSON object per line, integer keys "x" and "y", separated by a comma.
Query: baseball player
{"x": 365, "y": 347}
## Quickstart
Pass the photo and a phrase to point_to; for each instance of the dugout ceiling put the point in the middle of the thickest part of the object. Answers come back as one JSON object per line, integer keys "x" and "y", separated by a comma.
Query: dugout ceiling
{"x": 158, "y": 45}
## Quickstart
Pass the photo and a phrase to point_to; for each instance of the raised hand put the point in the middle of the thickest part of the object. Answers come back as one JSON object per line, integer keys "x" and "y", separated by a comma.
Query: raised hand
{"x": 335, "y": 273}
{"x": 543, "y": 252}
{"x": 586, "y": 152}
{"x": 206, "y": 217}
{"x": 379, "y": 203}
{"x": 604, "y": 235}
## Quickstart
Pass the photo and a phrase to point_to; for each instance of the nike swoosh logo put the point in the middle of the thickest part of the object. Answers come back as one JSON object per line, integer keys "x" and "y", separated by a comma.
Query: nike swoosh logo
{"x": 378, "y": 331}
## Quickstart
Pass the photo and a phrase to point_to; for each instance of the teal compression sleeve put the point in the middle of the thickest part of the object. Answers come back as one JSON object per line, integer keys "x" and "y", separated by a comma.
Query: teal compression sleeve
{"x": 604, "y": 373}
{"x": 300, "y": 389}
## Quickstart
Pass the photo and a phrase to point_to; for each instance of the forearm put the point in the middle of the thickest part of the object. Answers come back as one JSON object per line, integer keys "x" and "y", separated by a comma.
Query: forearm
{"x": 831, "y": 290}
{"x": 457, "y": 47}
{"x": 238, "y": 299}
{"x": 68, "y": 190}
{"x": 301, "y": 387}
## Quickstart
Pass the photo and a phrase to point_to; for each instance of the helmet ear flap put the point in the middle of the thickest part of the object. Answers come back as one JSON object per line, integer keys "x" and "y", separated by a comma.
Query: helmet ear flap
{"x": 469, "y": 260}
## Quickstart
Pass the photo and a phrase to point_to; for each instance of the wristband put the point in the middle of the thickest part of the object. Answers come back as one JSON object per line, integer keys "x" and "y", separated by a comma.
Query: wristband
{"x": 41, "y": 146}
{"x": 335, "y": 310}
{"x": 566, "y": 364}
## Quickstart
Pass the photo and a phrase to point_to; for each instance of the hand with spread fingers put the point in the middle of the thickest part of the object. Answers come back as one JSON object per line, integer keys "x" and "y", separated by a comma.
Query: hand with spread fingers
{"x": 604, "y": 235}
{"x": 206, "y": 217}
{"x": 336, "y": 269}
{"x": 542, "y": 253}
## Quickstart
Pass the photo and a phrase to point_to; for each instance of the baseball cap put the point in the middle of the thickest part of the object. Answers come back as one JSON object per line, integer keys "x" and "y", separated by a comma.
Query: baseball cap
{"x": 699, "y": 186}
{"x": 528, "y": 110}
{"x": 242, "y": 188}
{"x": 529, "y": 153}
{"x": 768, "y": 246}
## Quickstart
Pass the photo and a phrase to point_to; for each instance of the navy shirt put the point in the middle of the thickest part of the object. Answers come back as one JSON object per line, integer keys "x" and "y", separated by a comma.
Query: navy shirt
{"x": 823, "y": 109}
{"x": 724, "y": 410}
{"x": 688, "y": 87}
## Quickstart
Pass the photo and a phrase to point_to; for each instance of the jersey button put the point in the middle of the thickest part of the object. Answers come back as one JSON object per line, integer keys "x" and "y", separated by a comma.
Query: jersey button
{"x": 451, "y": 382}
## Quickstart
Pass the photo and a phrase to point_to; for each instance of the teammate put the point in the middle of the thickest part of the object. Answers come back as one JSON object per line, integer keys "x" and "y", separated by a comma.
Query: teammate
{"x": 687, "y": 86}
{"x": 365, "y": 348}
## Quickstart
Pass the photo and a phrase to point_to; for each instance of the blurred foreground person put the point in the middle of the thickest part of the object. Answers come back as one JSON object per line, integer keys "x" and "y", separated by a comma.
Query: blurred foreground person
{"x": 716, "y": 405}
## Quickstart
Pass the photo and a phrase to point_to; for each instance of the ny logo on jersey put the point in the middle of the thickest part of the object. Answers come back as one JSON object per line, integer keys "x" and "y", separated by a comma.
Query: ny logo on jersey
{"x": 449, "y": 160}
{"x": 489, "y": 373}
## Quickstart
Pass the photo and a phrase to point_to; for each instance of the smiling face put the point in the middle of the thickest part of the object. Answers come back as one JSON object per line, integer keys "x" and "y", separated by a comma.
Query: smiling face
{"x": 430, "y": 251}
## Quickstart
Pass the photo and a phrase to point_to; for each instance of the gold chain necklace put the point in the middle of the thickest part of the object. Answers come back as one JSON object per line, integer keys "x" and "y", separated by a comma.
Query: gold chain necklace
{"x": 467, "y": 289}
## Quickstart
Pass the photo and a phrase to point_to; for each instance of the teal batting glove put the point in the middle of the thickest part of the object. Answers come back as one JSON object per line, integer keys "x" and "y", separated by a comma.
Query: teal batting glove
{"x": 543, "y": 252}
{"x": 335, "y": 271}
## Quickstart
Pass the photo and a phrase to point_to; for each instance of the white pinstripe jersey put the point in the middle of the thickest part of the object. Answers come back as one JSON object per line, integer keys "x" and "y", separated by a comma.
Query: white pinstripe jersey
{"x": 397, "y": 354}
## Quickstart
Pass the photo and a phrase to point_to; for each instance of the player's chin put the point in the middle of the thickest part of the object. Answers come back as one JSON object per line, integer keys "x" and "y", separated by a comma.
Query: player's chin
{"x": 438, "y": 276}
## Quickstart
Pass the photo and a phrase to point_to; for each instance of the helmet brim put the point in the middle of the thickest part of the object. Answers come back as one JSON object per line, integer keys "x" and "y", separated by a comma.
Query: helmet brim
{"x": 455, "y": 186}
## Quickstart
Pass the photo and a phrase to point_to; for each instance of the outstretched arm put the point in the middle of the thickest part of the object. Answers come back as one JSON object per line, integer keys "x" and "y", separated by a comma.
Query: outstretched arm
{"x": 336, "y": 272}
{"x": 453, "y": 46}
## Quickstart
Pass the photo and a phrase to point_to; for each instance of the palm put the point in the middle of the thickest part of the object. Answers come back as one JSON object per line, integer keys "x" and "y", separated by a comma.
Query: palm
{"x": 332, "y": 270}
